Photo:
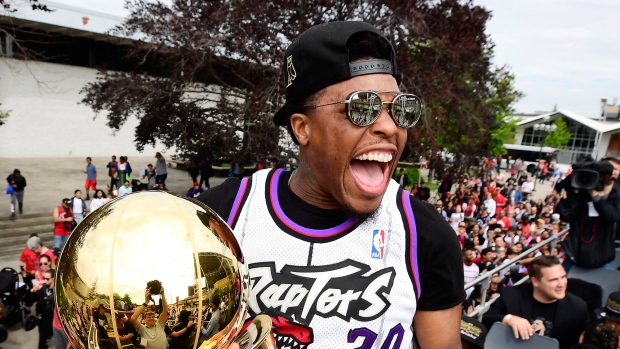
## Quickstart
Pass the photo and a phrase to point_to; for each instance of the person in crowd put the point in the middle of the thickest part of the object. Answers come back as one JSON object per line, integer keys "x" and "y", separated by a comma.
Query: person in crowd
{"x": 112, "y": 167}
{"x": 469, "y": 208}
{"x": 441, "y": 209}
{"x": 213, "y": 324}
{"x": 446, "y": 185}
{"x": 490, "y": 204}
{"x": 61, "y": 340}
{"x": 402, "y": 178}
{"x": 342, "y": 190}
{"x": 91, "y": 177}
{"x": 470, "y": 269}
{"x": 457, "y": 217}
{"x": 45, "y": 263}
{"x": 153, "y": 329}
{"x": 592, "y": 215}
{"x": 78, "y": 206}
{"x": 527, "y": 187}
{"x": 100, "y": 319}
{"x": 127, "y": 333}
{"x": 28, "y": 260}
{"x": 195, "y": 191}
{"x": 44, "y": 295}
{"x": 180, "y": 336}
{"x": 474, "y": 299}
{"x": 495, "y": 287}
{"x": 125, "y": 189}
{"x": 424, "y": 193}
{"x": 489, "y": 257}
{"x": 598, "y": 335}
{"x": 206, "y": 171}
{"x": 63, "y": 223}
{"x": 610, "y": 313}
{"x": 17, "y": 183}
{"x": 123, "y": 169}
{"x": 161, "y": 169}
{"x": 542, "y": 307}
{"x": 99, "y": 199}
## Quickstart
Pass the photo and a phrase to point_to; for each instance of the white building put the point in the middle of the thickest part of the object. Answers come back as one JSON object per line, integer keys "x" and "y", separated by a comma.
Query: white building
{"x": 43, "y": 95}
{"x": 595, "y": 137}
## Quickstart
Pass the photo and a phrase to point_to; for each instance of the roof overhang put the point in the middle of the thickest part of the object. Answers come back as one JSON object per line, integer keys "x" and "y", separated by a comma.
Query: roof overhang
{"x": 56, "y": 29}
{"x": 530, "y": 148}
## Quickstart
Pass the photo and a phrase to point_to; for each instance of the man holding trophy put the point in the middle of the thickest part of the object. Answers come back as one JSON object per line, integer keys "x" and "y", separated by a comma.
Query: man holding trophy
{"x": 340, "y": 256}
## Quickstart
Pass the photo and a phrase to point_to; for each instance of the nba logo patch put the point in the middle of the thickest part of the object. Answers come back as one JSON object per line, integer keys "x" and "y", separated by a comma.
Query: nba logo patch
{"x": 378, "y": 244}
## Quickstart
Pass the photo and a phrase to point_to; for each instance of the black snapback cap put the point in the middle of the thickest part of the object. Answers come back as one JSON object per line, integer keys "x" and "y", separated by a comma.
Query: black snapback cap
{"x": 319, "y": 58}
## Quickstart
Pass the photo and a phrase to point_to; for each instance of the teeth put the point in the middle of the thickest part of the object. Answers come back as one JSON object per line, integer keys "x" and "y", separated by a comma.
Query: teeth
{"x": 380, "y": 157}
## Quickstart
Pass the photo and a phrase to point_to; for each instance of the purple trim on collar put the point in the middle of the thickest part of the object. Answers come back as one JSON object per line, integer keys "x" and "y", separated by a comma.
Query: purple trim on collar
{"x": 320, "y": 233}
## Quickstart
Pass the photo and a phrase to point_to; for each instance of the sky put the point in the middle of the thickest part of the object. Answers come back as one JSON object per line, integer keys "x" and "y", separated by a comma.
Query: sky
{"x": 562, "y": 52}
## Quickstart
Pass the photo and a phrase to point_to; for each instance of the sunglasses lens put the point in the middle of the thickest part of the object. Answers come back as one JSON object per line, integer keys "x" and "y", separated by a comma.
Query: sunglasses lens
{"x": 406, "y": 109}
{"x": 364, "y": 108}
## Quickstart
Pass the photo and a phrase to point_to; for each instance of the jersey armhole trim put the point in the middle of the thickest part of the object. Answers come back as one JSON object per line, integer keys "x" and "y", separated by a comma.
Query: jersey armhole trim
{"x": 411, "y": 239}
{"x": 242, "y": 195}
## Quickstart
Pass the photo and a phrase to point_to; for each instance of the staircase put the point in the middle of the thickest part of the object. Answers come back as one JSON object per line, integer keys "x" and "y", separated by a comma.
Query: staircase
{"x": 14, "y": 234}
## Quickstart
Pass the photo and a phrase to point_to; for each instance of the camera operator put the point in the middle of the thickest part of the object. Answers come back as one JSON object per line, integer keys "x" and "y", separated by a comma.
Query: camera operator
{"x": 591, "y": 205}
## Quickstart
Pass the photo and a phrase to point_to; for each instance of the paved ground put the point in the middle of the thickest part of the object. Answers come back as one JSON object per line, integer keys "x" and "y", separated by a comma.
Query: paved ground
{"x": 50, "y": 180}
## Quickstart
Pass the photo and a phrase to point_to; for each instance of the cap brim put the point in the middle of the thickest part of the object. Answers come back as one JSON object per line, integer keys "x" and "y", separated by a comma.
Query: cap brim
{"x": 602, "y": 313}
{"x": 283, "y": 115}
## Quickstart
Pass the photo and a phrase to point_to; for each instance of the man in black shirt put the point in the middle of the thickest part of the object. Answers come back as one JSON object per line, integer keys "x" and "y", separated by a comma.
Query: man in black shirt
{"x": 424, "y": 193}
{"x": 543, "y": 307}
{"x": 345, "y": 111}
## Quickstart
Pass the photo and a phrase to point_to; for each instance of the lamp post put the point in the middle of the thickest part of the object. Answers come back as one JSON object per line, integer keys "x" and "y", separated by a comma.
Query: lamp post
{"x": 542, "y": 129}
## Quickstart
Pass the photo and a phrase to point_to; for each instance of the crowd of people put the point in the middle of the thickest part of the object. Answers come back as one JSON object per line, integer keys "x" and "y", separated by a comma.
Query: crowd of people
{"x": 409, "y": 272}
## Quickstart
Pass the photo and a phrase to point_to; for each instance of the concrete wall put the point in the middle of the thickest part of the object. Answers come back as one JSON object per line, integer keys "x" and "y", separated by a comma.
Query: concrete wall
{"x": 46, "y": 119}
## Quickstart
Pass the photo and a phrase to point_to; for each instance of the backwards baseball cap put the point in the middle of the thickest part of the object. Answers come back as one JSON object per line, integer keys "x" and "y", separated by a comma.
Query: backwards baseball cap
{"x": 611, "y": 311}
{"x": 319, "y": 57}
{"x": 473, "y": 331}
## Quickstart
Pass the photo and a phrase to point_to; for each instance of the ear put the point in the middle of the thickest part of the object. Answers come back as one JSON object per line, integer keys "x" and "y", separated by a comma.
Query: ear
{"x": 534, "y": 281}
{"x": 300, "y": 124}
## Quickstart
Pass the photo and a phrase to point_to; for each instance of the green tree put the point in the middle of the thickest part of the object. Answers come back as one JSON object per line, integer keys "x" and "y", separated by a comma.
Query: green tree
{"x": 503, "y": 96}
{"x": 560, "y": 136}
{"x": 206, "y": 72}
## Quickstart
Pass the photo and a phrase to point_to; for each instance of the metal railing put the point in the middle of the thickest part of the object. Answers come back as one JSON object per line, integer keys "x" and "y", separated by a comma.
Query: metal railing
{"x": 484, "y": 279}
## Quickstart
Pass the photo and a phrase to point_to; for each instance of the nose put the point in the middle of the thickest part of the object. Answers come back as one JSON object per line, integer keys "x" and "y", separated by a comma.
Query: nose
{"x": 384, "y": 126}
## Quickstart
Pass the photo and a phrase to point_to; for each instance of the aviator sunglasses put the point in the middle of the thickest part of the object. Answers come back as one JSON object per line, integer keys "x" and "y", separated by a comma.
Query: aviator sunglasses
{"x": 364, "y": 107}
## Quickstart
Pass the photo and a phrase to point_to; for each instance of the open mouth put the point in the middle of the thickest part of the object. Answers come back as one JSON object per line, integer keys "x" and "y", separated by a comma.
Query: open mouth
{"x": 370, "y": 171}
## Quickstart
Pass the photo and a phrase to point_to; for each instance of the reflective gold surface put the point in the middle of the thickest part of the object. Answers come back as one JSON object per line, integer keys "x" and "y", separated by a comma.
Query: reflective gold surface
{"x": 116, "y": 250}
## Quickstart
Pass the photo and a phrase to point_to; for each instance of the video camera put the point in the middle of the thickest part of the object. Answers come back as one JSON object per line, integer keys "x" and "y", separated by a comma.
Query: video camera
{"x": 586, "y": 175}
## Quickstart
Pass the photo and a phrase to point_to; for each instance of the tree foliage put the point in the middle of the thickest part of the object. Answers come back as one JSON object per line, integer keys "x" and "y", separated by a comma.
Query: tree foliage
{"x": 207, "y": 75}
{"x": 560, "y": 136}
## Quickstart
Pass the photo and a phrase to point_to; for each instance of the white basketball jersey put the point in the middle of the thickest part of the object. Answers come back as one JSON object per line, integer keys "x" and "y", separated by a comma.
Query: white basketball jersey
{"x": 344, "y": 287}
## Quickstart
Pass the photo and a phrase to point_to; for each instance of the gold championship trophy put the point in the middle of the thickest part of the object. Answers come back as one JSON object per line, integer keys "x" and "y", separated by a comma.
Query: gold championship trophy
{"x": 134, "y": 246}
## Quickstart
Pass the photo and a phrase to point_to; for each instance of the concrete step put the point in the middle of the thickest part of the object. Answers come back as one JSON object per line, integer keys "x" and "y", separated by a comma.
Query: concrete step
{"x": 26, "y": 215}
{"x": 14, "y": 251}
{"x": 14, "y": 234}
{"x": 25, "y": 231}
{"x": 21, "y": 221}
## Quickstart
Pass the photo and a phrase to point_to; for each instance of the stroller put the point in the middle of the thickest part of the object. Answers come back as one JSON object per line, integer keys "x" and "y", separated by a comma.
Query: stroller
{"x": 12, "y": 307}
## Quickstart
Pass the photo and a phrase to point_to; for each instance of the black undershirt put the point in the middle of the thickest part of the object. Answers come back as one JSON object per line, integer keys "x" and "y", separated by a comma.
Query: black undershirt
{"x": 440, "y": 261}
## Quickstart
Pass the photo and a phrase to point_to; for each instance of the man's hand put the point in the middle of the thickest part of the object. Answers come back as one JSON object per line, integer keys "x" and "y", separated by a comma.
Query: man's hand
{"x": 521, "y": 327}
{"x": 162, "y": 290}
{"x": 147, "y": 295}
{"x": 190, "y": 324}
